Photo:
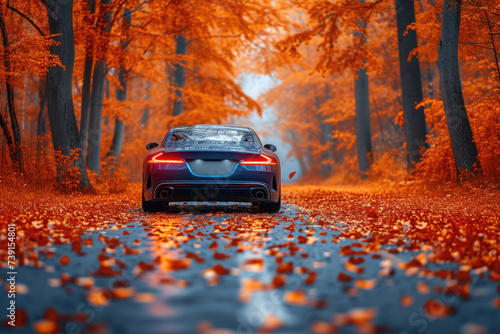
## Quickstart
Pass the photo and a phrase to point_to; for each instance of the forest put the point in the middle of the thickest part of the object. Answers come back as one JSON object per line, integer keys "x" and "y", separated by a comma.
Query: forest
{"x": 86, "y": 83}
{"x": 386, "y": 115}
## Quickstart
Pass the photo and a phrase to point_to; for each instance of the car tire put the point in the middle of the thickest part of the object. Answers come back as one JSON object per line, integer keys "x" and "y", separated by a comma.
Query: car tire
{"x": 270, "y": 207}
{"x": 151, "y": 206}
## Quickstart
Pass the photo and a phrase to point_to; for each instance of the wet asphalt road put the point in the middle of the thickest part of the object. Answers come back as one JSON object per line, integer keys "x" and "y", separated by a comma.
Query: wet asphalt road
{"x": 203, "y": 268}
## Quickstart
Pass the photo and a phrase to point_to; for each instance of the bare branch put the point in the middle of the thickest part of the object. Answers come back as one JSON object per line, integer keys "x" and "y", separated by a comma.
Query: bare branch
{"x": 27, "y": 19}
{"x": 490, "y": 28}
{"x": 137, "y": 8}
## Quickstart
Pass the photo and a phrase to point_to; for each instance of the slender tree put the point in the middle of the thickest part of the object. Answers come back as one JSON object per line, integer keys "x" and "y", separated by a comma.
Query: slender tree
{"x": 87, "y": 81}
{"x": 179, "y": 74}
{"x": 301, "y": 156}
{"x": 326, "y": 132}
{"x": 363, "y": 127}
{"x": 62, "y": 118}
{"x": 41, "y": 128}
{"x": 411, "y": 85}
{"x": 97, "y": 95}
{"x": 121, "y": 92}
{"x": 146, "y": 112}
{"x": 14, "y": 139}
{"x": 461, "y": 137}
{"x": 362, "y": 98}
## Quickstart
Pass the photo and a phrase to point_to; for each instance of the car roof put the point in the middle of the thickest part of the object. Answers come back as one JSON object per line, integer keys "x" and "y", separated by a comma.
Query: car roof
{"x": 212, "y": 126}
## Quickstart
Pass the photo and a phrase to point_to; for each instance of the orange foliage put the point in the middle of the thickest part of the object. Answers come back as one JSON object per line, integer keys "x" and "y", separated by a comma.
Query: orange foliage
{"x": 312, "y": 50}
{"x": 326, "y": 44}
{"x": 217, "y": 49}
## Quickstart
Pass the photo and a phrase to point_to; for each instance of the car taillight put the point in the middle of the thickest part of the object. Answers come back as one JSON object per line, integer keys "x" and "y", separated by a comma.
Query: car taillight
{"x": 161, "y": 158}
{"x": 262, "y": 159}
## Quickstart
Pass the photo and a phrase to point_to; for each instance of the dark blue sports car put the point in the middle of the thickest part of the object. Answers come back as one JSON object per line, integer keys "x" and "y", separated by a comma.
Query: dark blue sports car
{"x": 211, "y": 163}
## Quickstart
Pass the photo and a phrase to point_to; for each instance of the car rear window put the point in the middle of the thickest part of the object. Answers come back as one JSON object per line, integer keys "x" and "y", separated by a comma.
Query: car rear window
{"x": 201, "y": 138}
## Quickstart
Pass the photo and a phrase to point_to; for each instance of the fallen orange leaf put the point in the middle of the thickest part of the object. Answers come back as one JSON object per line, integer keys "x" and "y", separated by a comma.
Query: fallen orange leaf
{"x": 321, "y": 327}
{"x": 130, "y": 251}
{"x": 279, "y": 281}
{"x": 98, "y": 297}
{"x": 311, "y": 277}
{"x": 252, "y": 284}
{"x": 423, "y": 288}
{"x": 145, "y": 266}
{"x": 51, "y": 314}
{"x": 219, "y": 269}
{"x": 271, "y": 322}
{"x": 407, "y": 301}
{"x": 65, "y": 260}
{"x": 107, "y": 271}
{"x": 46, "y": 327}
{"x": 344, "y": 278}
{"x": 438, "y": 309}
{"x": 144, "y": 297}
{"x": 297, "y": 297}
{"x": 354, "y": 268}
{"x": 21, "y": 318}
{"x": 221, "y": 256}
{"x": 365, "y": 284}
{"x": 356, "y": 260}
{"x": 302, "y": 239}
{"x": 122, "y": 292}
{"x": 285, "y": 268}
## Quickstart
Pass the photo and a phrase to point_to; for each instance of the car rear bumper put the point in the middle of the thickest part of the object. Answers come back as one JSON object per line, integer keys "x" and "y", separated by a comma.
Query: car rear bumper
{"x": 179, "y": 183}
{"x": 222, "y": 191}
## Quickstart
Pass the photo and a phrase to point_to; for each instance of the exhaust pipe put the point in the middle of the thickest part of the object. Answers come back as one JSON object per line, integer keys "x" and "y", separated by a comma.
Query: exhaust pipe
{"x": 164, "y": 193}
{"x": 259, "y": 194}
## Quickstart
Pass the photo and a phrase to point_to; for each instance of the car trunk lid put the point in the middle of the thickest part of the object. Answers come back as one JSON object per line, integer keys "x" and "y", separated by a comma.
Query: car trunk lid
{"x": 214, "y": 163}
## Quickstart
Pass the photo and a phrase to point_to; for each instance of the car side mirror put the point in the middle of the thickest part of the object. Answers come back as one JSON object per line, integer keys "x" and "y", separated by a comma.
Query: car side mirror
{"x": 151, "y": 145}
{"x": 270, "y": 147}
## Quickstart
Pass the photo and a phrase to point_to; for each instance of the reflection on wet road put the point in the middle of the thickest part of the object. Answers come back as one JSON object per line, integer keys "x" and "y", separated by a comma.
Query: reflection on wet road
{"x": 229, "y": 269}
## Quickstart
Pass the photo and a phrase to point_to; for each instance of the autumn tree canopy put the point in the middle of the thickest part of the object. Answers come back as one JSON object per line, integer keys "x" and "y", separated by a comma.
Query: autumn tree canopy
{"x": 86, "y": 84}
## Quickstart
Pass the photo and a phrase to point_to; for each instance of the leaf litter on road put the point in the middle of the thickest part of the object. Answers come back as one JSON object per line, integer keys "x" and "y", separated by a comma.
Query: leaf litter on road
{"x": 262, "y": 254}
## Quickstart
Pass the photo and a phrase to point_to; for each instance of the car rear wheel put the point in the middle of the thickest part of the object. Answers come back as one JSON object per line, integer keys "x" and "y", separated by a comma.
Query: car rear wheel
{"x": 270, "y": 207}
{"x": 151, "y": 206}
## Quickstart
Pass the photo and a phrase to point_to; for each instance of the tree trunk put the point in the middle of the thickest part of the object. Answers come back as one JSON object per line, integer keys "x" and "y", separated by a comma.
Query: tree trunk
{"x": 363, "y": 127}
{"x": 97, "y": 99}
{"x": 116, "y": 147}
{"x": 411, "y": 84}
{"x": 301, "y": 156}
{"x": 179, "y": 75}
{"x": 62, "y": 118}
{"x": 8, "y": 135}
{"x": 462, "y": 140}
{"x": 145, "y": 117}
{"x": 87, "y": 80}
{"x": 15, "y": 140}
{"x": 327, "y": 136}
{"x": 41, "y": 127}
{"x": 145, "y": 114}
{"x": 302, "y": 164}
{"x": 362, "y": 117}
{"x": 325, "y": 131}
{"x": 121, "y": 95}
